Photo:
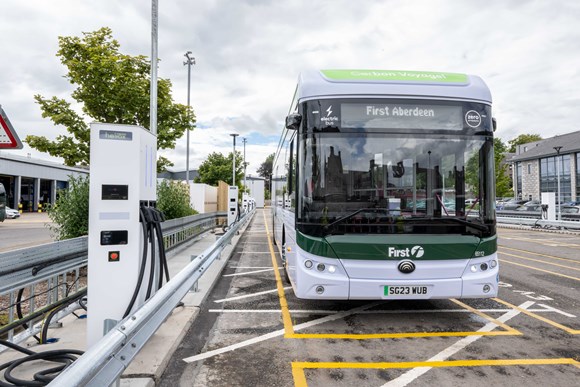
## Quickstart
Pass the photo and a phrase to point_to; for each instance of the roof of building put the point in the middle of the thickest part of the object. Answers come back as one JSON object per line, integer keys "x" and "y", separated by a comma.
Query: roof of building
{"x": 569, "y": 142}
{"x": 46, "y": 163}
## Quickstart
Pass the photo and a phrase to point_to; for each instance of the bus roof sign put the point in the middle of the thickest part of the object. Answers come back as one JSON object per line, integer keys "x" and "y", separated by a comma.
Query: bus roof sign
{"x": 394, "y": 76}
{"x": 8, "y": 137}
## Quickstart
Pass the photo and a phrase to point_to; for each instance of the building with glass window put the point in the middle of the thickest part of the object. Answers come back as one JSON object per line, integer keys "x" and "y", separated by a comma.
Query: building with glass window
{"x": 538, "y": 166}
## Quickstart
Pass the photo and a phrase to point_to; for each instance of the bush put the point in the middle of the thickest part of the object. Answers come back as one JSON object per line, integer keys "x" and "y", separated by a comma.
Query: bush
{"x": 173, "y": 199}
{"x": 70, "y": 212}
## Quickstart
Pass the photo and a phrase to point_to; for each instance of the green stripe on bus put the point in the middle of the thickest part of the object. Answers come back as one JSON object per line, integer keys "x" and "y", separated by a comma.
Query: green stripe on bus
{"x": 395, "y": 75}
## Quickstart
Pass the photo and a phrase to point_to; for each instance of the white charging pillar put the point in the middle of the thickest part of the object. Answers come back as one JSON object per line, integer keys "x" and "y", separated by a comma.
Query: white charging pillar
{"x": 123, "y": 173}
{"x": 245, "y": 202}
{"x": 549, "y": 198}
{"x": 232, "y": 205}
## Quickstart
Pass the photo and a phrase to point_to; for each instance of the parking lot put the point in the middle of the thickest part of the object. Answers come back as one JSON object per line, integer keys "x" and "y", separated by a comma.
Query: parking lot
{"x": 253, "y": 331}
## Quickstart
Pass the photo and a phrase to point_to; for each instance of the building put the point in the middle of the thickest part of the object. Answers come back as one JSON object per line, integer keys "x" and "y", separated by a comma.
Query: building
{"x": 33, "y": 183}
{"x": 535, "y": 168}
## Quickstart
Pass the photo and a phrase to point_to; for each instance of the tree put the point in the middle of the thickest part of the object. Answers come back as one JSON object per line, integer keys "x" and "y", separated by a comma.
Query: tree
{"x": 112, "y": 88}
{"x": 265, "y": 171}
{"x": 522, "y": 139}
{"x": 502, "y": 179}
{"x": 218, "y": 167}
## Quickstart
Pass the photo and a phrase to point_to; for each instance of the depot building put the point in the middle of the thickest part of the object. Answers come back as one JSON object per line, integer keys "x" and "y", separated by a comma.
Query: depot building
{"x": 32, "y": 184}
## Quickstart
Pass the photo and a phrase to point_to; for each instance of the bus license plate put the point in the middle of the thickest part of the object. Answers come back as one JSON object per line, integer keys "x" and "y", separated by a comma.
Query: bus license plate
{"x": 418, "y": 290}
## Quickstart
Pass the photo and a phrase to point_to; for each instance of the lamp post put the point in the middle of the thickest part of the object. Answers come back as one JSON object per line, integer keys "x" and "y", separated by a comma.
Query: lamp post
{"x": 244, "y": 140}
{"x": 557, "y": 148}
{"x": 234, "y": 135}
{"x": 189, "y": 62}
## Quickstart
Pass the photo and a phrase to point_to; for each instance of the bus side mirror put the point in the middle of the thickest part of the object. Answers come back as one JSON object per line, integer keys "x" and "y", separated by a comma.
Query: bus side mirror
{"x": 293, "y": 121}
{"x": 494, "y": 123}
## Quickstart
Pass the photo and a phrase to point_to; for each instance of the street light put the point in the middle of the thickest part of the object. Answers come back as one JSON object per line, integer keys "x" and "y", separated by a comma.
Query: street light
{"x": 244, "y": 140}
{"x": 234, "y": 135}
{"x": 189, "y": 62}
{"x": 557, "y": 148}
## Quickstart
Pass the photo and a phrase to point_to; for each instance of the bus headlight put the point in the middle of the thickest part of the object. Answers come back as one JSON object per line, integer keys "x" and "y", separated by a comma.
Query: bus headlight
{"x": 493, "y": 263}
{"x": 486, "y": 288}
{"x": 308, "y": 264}
{"x": 320, "y": 267}
{"x": 483, "y": 266}
{"x": 331, "y": 269}
{"x": 473, "y": 268}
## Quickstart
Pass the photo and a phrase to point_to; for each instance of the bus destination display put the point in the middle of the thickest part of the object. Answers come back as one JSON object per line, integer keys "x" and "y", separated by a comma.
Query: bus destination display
{"x": 401, "y": 116}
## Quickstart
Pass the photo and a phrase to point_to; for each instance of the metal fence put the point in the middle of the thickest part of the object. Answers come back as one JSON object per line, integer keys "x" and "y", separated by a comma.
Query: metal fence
{"x": 35, "y": 280}
{"x": 107, "y": 359}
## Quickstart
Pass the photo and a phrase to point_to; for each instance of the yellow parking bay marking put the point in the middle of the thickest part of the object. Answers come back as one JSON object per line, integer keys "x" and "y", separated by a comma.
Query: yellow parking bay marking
{"x": 286, "y": 318}
{"x": 291, "y": 334}
{"x": 538, "y": 269}
{"x": 543, "y": 242}
{"x": 300, "y": 378}
{"x": 541, "y": 255}
{"x": 534, "y": 315}
{"x": 539, "y": 260}
{"x": 485, "y": 316}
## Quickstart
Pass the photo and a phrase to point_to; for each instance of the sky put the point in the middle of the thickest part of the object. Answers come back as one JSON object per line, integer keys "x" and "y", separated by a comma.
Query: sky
{"x": 249, "y": 53}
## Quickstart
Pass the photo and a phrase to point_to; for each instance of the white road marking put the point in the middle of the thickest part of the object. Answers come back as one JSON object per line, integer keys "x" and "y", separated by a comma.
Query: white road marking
{"x": 551, "y": 309}
{"x": 277, "y": 333}
{"x": 247, "y": 272}
{"x": 547, "y": 309}
{"x": 250, "y": 267}
{"x": 250, "y": 295}
{"x": 413, "y": 374}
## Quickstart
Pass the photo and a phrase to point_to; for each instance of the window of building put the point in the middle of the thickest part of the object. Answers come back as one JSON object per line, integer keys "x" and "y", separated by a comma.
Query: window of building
{"x": 519, "y": 180}
{"x": 549, "y": 176}
{"x": 577, "y": 176}
{"x": 529, "y": 169}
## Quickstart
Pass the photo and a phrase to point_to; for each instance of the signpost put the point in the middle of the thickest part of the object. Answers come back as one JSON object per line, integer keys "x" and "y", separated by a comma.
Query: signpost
{"x": 8, "y": 137}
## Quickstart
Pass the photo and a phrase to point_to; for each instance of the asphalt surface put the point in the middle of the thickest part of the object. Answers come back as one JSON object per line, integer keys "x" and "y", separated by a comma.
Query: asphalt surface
{"x": 529, "y": 335}
{"x": 28, "y": 230}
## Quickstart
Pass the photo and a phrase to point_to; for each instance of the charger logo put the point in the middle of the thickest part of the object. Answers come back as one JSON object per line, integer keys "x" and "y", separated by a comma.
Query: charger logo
{"x": 413, "y": 252}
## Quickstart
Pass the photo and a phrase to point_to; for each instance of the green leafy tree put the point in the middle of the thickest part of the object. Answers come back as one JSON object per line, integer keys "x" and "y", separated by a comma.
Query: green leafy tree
{"x": 218, "y": 167}
{"x": 112, "y": 88}
{"x": 522, "y": 139}
{"x": 70, "y": 212}
{"x": 173, "y": 199}
{"x": 502, "y": 179}
{"x": 265, "y": 171}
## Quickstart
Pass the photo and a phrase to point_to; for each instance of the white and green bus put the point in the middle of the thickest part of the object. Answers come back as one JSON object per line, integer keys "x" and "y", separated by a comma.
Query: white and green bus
{"x": 383, "y": 186}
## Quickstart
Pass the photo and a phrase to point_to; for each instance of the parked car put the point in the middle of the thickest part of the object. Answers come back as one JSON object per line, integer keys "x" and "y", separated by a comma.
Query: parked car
{"x": 529, "y": 207}
{"x": 11, "y": 213}
{"x": 511, "y": 205}
{"x": 570, "y": 210}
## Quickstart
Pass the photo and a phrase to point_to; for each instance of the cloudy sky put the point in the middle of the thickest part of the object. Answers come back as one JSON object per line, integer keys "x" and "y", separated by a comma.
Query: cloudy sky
{"x": 250, "y": 52}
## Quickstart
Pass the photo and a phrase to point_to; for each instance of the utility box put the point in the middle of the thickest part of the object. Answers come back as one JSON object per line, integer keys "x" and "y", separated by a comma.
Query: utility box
{"x": 232, "y": 205}
{"x": 123, "y": 174}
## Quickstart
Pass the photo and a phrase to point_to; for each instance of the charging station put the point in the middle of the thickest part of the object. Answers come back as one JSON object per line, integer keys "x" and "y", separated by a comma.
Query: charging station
{"x": 549, "y": 206}
{"x": 232, "y": 205}
{"x": 245, "y": 203}
{"x": 122, "y": 183}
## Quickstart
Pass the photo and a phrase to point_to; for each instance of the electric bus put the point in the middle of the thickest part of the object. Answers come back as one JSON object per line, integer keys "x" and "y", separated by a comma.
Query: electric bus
{"x": 383, "y": 186}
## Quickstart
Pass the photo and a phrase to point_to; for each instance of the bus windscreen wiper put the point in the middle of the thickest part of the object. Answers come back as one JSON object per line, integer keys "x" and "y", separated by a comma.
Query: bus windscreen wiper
{"x": 329, "y": 227}
{"x": 477, "y": 226}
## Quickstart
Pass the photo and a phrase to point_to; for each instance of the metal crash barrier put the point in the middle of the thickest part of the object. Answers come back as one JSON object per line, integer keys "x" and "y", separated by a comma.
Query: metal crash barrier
{"x": 108, "y": 358}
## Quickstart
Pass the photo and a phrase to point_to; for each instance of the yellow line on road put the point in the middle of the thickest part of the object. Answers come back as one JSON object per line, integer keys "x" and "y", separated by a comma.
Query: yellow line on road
{"x": 286, "y": 318}
{"x": 546, "y": 320}
{"x": 542, "y": 255}
{"x": 539, "y": 260}
{"x": 535, "y": 268}
{"x": 403, "y": 335}
{"x": 485, "y": 316}
{"x": 543, "y": 242}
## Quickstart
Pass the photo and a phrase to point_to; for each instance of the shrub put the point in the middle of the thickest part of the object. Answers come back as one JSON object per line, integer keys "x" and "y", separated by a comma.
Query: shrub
{"x": 70, "y": 212}
{"x": 173, "y": 199}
